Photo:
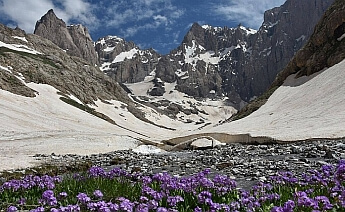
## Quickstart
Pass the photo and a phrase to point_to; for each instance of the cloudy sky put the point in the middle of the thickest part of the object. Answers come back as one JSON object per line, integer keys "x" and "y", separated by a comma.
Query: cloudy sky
{"x": 160, "y": 24}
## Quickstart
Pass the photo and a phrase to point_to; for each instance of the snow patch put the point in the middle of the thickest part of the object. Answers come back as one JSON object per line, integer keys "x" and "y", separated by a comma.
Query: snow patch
{"x": 147, "y": 149}
{"x": 20, "y": 38}
{"x": 249, "y": 31}
{"x": 302, "y": 38}
{"x": 312, "y": 108}
{"x": 18, "y": 47}
{"x": 341, "y": 37}
{"x": 8, "y": 68}
{"x": 126, "y": 55}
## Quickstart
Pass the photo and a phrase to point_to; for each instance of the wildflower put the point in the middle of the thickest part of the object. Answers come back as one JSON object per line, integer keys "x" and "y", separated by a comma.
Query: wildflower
{"x": 96, "y": 172}
{"x": 12, "y": 209}
{"x": 152, "y": 204}
{"x": 98, "y": 194}
{"x": 173, "y": 200}
{"x": 203, "y": 196}
{"x": 161, "y": 209}
{"x": 126, "y": 204}
{"x": 22, "y": 201}
{"x": 326, "y": 205}
{"x": 48, "y": 198}
{"x": 39, "y": 209}
{"x": 340, "y": 172}
{"x": 83, "y": 198}
{"x": 197, "y": 209}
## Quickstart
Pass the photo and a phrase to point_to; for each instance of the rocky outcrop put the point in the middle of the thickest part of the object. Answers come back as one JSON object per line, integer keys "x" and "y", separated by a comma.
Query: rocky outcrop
{"x": 325, "y": 48}
{"x": 284, "y": 31}
{"x": 238, "y": 63}
{"x": 52, "y": 66}
{"x": 124, "y": 61}
{"x": 74, "y": 39}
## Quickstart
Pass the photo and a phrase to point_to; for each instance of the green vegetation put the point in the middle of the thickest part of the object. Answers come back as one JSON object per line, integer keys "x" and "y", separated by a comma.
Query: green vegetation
{"x": 87, "y": 109}
{"x": 42, "y": 58}
{"x": 117, "y": 190}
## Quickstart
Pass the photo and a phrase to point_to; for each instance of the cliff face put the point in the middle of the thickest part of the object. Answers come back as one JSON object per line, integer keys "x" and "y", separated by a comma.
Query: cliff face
{"x": 239, "y": 63}
{"x": 124, "y": 61}
{"x": 324, "y": 49}
{"x": 39, "y": 60}
{"x": 75, "y": 39}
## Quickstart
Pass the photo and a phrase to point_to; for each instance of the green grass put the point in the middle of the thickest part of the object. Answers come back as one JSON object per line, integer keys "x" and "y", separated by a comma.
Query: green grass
{"x": 41, "y": 58}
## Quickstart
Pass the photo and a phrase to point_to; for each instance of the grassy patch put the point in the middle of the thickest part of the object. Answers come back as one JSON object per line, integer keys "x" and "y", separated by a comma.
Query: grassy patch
{"x": 117, "y": 190}
{"x": 87, "y": 109}
{"x": 41, "y": 58}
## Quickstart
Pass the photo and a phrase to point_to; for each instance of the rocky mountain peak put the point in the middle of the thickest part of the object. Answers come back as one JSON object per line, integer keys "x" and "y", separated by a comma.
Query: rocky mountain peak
{"x": 74, "y": 39}
{"x": 196, "y": 33}
{"x": 125, "y": 61}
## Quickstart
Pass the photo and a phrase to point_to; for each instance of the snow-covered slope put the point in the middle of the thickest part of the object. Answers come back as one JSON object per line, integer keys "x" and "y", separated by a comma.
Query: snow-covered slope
{"x": 307, "y": 107}
{"x": 45, "y": 124}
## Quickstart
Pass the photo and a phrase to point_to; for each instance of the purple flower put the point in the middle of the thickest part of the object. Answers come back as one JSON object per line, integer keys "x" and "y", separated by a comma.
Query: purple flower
{"x": 125, "y": 204}
{"x": 288, "y": 206}
{"x": 48, "y": 198}
{"x": 339, "y": 175}
{"x": 39, "y": 209}
{"x": 152, "y": 204}
{"x": 83, "y": 198}
{"x": 96, "y": 172}
{"x": 12, "y": 209}
{"x": 277, "y": 209}
{"x": 98, "y": 194}
{"x": 161, "y": 209}
{"x": 22, "y": 201}
{"x": 203, "y": 196}
{"x": 197, "y": 209}
{"x": 325, "y": 203}
{"x": 173, "y": 200}
{"x": 142, "y": 207}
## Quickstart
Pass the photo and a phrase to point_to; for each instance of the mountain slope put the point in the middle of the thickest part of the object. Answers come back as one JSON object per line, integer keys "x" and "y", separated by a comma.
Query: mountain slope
{"x": 324, "y": 49}
{"x": 309, "y": 102}
{"x": 237, "y": 63}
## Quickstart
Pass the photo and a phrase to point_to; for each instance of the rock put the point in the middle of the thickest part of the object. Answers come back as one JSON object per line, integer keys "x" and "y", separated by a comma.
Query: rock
{"x": 247, "y": 170}
{"x": 75, "y": 39}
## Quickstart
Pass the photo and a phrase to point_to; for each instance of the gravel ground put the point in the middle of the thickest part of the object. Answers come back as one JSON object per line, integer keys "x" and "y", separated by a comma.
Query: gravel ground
{"x": 247, "y": 164}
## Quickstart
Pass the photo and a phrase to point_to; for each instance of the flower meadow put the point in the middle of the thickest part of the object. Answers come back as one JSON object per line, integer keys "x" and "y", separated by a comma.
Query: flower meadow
{"x": 117, "y": 190}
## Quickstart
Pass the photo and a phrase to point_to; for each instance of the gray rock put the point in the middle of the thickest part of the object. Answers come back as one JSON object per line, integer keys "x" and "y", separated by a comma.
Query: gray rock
{"x": 75, "y": 40}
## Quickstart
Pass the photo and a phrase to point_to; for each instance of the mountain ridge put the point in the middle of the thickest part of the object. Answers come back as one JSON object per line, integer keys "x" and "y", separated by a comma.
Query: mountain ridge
{"x": 238, "y": 63}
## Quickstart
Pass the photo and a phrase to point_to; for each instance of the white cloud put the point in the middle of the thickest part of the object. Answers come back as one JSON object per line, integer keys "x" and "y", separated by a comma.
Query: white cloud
{"x": 130, "y": 17}
{"x": 160, "y": 20}
{"x": 25, "y": 18}
{"x": 248, "y": 12}
{"x": 26, "y": 12}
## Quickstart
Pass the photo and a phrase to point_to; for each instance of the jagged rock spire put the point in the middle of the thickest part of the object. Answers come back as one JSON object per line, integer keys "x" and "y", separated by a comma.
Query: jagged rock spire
{"x": 75, "y": 39}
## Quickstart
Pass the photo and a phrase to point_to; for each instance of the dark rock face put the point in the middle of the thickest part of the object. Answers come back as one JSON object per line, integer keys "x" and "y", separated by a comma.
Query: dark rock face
{"x": 124, "y": 61}
{"x": 75, "y": 40}
{"x": 325, "y": 48}
{"x": 239, "y": 63}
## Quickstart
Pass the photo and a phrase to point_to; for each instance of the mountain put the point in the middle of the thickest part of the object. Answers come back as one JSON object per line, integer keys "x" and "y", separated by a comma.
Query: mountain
{"x": 124, "y": 61}
{"x": 306, "y": 100}
{"x": 237, "y": 63}
{"x": 74, "y": 39}
{"x": 55, "y": 101}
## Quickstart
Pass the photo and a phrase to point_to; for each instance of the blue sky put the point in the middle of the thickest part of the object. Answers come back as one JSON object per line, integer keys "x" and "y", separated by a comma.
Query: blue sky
{"x": 160, "y": 24}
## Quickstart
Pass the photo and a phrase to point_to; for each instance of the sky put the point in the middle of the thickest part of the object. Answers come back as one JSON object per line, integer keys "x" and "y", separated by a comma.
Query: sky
{"x": 157, "y": 24}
